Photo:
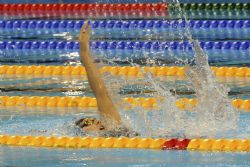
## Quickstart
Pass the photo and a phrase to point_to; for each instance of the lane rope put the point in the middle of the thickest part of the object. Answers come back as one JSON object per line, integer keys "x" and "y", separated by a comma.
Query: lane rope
{"x": 210, "y": 10}
{"x": 75, "y": 25}
{"x": 113, "y": 10}
{"x": 84, "y": 102}
{"x": 235, "y": 145}
{"x": 117, "y": 70}
{"x": 211, "y": 6}
{"x": 61, "y": 51}
{"x": 128, "y": 29}
{"x": 122, "y": 45}
{"x": 85, "y": 10}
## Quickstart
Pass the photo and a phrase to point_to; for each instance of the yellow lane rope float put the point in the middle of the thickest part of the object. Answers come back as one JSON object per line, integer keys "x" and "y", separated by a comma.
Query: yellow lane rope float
{"x": 82, "y": 102}
{"x": 116, "y": 70}
{"x": 123, "y": 142}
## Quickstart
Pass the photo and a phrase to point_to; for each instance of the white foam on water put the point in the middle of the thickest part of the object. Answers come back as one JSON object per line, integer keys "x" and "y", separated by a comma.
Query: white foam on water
{"x": 214, "y": 113}
{"x": 213, "y": 116}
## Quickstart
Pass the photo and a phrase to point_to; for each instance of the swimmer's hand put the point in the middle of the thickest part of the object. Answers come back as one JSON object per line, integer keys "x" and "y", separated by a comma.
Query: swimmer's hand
{"x": 85, "y": 33}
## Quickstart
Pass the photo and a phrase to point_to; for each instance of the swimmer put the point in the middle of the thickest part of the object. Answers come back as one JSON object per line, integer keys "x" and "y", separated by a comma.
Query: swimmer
{"x": 110, "y": 122}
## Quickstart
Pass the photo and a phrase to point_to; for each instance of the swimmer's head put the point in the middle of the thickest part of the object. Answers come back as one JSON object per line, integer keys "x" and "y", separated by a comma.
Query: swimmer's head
{"x": 90, "y": 124}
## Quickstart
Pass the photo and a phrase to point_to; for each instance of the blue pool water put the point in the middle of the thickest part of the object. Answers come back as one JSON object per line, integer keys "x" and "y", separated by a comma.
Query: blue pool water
{"x": 13, "y": 156}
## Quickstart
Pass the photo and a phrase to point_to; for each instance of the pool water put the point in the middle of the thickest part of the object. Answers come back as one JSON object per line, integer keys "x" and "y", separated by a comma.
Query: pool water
{"x": 78, "y": 86}
{"x": 13, "y": 156}
{"x": 60, "y": 122}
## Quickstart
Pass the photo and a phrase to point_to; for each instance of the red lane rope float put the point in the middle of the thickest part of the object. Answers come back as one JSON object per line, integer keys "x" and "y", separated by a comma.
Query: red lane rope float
{"x": 176, "y": 144}
{"x": 84, "y": 10}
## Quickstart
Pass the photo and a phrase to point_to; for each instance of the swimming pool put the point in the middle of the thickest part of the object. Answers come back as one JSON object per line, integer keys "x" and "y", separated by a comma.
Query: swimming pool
{"x": 41, "y": 41}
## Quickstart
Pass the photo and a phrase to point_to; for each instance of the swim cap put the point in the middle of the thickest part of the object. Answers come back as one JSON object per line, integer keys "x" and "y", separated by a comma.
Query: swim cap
{"x": 83, "y": 122}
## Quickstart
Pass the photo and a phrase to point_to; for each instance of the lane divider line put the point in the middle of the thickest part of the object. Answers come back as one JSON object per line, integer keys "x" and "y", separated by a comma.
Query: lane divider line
{"x": 84, "y": 10}
{"x": 211, "y": 6}
{"x": 123, "y": 142}
{"x": 117, "y": 70}
{"x": 55, "y": 45}
{"x": 85, "y": 102}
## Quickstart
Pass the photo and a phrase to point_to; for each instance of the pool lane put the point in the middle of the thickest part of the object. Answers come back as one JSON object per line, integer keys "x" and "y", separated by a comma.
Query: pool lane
{"x": 78, "y": 86}
{"x": 60, "y": 122}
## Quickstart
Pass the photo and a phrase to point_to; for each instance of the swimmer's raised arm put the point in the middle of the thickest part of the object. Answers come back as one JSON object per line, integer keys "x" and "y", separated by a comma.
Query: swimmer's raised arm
{"x": 105, "y": 105}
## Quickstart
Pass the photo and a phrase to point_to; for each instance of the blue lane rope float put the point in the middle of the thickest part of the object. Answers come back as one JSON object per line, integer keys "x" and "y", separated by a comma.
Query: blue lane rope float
{"x": 132, "y": 29}
{"x": 155, "y": 45}
{"x": 218, "y": 51}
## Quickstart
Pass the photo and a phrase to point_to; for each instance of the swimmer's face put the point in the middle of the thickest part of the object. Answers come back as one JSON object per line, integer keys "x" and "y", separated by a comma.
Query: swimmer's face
{"x": 90, "y": 125}
{"x": 93, "y": 128}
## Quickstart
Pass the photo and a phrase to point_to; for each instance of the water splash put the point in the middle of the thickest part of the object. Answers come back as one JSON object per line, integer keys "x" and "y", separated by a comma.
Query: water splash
{"x": 214, "y": 113}
{"x": 213, "y": 116}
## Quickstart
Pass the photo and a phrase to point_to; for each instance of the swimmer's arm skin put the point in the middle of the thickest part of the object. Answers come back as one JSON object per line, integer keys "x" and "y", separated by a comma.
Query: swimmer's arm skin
{"x": 105, "y": 105}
